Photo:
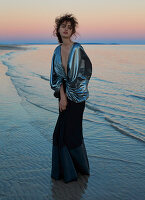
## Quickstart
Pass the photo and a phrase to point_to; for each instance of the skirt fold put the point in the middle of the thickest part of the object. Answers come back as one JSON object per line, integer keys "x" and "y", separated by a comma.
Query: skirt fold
{"x": 79, "y": 156}
{"x": 69, "y": 154}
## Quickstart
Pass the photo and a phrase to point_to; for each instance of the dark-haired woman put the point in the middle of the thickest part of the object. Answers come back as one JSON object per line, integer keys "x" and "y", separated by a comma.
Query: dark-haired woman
{"x": 71, "y": 70}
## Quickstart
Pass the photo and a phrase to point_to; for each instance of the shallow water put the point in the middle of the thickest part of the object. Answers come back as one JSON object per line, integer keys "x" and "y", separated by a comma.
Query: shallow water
{"x": 113, "y": 124}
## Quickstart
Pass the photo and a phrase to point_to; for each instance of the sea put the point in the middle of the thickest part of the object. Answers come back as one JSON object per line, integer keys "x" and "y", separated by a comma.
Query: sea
{"x": 113, "y": 120}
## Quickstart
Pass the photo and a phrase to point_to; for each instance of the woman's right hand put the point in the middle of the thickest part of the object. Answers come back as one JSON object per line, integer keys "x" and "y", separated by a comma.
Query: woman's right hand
{"x": 63, "y": 103}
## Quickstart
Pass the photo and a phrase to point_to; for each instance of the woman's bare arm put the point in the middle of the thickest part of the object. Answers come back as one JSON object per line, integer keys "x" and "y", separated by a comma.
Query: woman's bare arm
{"x": 63, "y": 99}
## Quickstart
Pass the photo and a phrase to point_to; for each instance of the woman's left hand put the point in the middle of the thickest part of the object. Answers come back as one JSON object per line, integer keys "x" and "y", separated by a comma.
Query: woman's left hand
{"x": 63, "y": 103}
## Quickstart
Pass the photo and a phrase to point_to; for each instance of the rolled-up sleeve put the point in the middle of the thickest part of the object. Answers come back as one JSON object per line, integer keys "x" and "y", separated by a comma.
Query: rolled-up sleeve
{"x": 55, "y": 79}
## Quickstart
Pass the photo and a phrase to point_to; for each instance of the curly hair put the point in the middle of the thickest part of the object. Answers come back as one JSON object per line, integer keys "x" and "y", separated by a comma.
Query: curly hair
{"x": 59, "y": 20}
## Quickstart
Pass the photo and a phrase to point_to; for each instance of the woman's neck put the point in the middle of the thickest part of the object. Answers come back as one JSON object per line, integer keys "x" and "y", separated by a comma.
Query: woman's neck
{"x": 67, "y": 43}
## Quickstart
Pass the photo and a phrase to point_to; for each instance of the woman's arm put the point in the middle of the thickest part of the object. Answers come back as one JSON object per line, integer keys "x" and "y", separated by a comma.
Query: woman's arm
{"x": 63, "y": 99}
{"x": 56, "y": 83}
{"x": 55, "y": 79}
{"x": 82, "y": 70}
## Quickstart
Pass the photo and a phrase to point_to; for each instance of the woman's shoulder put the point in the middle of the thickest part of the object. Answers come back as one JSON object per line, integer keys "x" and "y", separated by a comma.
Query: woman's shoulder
{"x": 78, "y": 46}
{"x": 56, "y": 48}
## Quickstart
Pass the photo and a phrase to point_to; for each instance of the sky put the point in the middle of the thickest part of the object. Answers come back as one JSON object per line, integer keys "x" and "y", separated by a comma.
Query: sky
{"x": 100, "y": 21}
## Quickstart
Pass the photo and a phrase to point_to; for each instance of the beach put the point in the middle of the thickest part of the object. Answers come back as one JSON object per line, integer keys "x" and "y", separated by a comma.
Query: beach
{"x": 113, "y": 125}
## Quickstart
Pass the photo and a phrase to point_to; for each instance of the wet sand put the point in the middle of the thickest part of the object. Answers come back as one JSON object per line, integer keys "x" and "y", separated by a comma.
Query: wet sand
{"x": 25, "y": 155}
{"x": 11, "y": 47}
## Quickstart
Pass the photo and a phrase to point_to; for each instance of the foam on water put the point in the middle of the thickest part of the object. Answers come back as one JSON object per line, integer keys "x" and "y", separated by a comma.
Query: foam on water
{"x": 115, "y": 101}
{"x": 113, "y": 123}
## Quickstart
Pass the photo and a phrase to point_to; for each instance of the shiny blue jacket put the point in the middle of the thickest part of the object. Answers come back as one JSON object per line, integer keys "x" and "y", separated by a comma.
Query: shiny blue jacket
{"x": 79, "y": 71}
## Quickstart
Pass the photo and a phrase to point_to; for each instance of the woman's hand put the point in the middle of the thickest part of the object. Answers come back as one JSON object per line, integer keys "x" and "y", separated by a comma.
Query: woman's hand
{"x": 63, "y": 99}
{"x": 63, "y": 103}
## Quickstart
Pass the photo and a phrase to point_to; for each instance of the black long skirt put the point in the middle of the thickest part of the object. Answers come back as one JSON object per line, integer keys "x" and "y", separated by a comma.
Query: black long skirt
{"x": 69, "y": 154}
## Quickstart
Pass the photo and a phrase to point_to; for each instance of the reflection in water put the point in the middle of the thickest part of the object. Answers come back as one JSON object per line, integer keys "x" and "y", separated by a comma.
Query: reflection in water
{"x": 114, "y": 111}
{"x": 71, "y": 190}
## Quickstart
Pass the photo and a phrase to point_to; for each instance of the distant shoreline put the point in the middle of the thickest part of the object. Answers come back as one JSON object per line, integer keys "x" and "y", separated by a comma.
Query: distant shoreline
{"x": 92, "y": 43}
{"x": 18, "y": 46}
{"x": 12, "y": 47}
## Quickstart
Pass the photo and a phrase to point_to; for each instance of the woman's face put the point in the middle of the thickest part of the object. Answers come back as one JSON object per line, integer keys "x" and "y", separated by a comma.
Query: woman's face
{"x": 65, "y": 29}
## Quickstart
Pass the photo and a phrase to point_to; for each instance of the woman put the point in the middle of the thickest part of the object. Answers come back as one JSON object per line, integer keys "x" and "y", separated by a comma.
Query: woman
{"x": 71, "y": 70}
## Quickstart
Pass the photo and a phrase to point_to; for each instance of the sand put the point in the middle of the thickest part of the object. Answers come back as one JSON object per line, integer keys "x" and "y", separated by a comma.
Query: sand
{"x": 25, "y": 155}
{"x": 116, "y": 160}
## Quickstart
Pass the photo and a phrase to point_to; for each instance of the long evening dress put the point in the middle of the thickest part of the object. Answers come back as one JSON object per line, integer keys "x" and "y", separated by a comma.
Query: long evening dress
{"x": 69, "y": 155}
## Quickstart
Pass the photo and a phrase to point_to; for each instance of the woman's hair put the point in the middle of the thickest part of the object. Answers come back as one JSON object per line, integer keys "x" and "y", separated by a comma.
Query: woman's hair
{"x": 59, "y": 20}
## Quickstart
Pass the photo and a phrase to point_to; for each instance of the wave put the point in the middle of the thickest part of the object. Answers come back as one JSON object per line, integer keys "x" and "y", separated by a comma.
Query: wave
{"x": 14, "y": 76}
{"x": 102, "y": 80}
{"x": 26, "y": 91}
{"x": 127, "y": 133}
{"x": 137, "y": 96}
{"x": 116, "y": 126}
{"x": 42, "y": 76}
{"x": 93, "y": 107}
{"x": 11, "y": 70}
{"x": 7, "y": 64}
{"x": 93, "y": 121}
{"x": 115, "y": 159}
{"x": 111, "y": 109}
{"x": 37, "y": 105}
{"x": 9, "y": 53}
{"x": 16, "y": 51}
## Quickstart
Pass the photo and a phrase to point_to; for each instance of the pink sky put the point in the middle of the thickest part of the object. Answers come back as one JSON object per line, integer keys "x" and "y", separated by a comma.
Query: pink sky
{"x": 32, "y": 21}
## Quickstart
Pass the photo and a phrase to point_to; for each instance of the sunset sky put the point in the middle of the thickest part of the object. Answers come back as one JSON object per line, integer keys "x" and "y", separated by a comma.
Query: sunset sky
{"x": 101, "y": 21}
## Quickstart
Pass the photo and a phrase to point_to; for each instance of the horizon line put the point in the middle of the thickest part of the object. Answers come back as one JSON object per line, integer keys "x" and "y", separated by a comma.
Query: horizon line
{"x": 54, "y": 43}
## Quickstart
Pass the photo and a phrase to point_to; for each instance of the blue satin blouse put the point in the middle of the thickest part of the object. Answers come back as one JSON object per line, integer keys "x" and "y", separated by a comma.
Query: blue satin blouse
{"x": 79, "y": 71}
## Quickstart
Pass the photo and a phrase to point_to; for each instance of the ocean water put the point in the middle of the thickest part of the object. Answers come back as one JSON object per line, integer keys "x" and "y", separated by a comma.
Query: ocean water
{"x": 114, "y": 117}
